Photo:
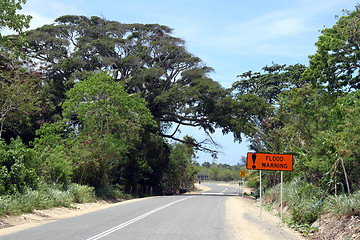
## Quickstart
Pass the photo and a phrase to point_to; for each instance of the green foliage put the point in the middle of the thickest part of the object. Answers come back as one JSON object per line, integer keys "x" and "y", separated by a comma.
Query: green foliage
{"x": 253, "y": 182}
{"x": 25, "y": 103}
{"x": 81, "y": 193}
{"x": 112, "y": 192}
{"x": 9, "y": 18}
{"x": 181, "y": 170}
{"x": 52, "y": 143}
{"x": 268, "y": 85}
{"x": 301, "y": 197}
{"x": 343, "y": 204}
{"x": 220, "y": 172}
{"x": 102, "y": 104}
{"x": 334, "y": 65}
{"x": 149, "y": 62}
{"x": 17, "y": 167}
{"x": 47, "y": 196}
{"x": 304, "y": 228}
{"x": 111, "y": 124}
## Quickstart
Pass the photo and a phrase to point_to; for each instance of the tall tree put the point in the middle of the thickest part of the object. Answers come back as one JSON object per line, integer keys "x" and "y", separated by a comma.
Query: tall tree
{"x": 335, "y": 65}
{"x": 23, "y": 98}
{"x": 262, "y": 92}
{"x": 146, "y": 58}
{"x": 268, "y": 85}
{"x": 10, "y": 19}
{"x": 109, "y": 123}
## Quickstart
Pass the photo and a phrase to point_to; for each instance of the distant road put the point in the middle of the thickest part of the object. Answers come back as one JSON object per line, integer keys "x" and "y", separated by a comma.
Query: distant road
{"x": 168, "y": 217}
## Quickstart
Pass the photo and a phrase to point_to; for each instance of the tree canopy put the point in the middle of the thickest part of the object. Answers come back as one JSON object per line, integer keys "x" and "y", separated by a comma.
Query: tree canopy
{"x": 99, "y": 102}
{"x": 147, "y": 60}
{"x": 335, "y": 64}
{"x": 10, "y": 19}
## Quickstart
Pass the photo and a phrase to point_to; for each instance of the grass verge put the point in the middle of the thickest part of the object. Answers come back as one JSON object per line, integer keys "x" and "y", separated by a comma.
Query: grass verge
{"x": 45, "y": 198}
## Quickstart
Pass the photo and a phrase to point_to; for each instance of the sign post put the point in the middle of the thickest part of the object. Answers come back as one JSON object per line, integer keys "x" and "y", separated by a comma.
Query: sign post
{"x": 267, "y": 161}
{"x": 282, "y": 174}
{"x": 260, "y": 198}
{"x": 242, "y": 174}
{"x": 274, "y": 162}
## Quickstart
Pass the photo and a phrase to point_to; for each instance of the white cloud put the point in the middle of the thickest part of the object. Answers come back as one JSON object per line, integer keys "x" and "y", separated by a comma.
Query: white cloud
{"x": 45, "y": 11}
{"x": 39, "y": 20}
{"x": 277, "y": 32}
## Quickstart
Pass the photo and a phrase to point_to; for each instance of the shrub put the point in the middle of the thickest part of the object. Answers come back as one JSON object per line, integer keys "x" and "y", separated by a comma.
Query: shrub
{"x": 301, "y": 198}
{"x": 253, "y": 182}
{"x": 17, "y": 167}
{"x": 47, "y": 196}
{"x": 81, "y": 193}
{"x": 342, "y": 205}
{"x": 112, "y": 192}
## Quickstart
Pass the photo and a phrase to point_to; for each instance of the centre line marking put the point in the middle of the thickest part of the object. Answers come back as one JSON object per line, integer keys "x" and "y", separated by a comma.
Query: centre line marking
{"x": 118, "y": 227}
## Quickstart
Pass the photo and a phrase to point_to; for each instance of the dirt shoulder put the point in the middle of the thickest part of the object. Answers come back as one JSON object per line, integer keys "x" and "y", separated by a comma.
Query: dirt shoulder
{"x": 337, "y": 228}
{"x": 243, "y": 218}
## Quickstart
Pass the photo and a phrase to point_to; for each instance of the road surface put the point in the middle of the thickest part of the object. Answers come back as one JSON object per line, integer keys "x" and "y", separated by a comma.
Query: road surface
{"x": 218, "y": 213}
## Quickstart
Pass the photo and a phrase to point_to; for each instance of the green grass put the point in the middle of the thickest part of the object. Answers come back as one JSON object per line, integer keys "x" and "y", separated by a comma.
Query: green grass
{"x": 305, "y": 207}
{"x": 342, "y": 205}
{"x": 301, "y": 198}
{"x": 112, "y": 192}
{"x": 304, "y": 228}
{"x": 44, "y": 198}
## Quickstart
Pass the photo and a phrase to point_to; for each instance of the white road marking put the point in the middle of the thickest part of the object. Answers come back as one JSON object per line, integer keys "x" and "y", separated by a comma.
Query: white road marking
{"x": 111, "y": 230}
{"x": 209, "y": 193}
{"x": 220, "y": 194}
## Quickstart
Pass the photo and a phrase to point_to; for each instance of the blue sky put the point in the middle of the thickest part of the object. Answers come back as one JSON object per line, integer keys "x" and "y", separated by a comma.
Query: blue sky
{"x": 231, "y": 36}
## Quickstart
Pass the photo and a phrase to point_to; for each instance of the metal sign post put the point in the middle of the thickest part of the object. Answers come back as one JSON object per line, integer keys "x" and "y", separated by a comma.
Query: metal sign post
{"x": 242, "y": 174}
{"x": 274, "y": 162}
{"x": 282, "y": 174}
{"x": 260, "y": 197}
{"x": 243, "y": 187}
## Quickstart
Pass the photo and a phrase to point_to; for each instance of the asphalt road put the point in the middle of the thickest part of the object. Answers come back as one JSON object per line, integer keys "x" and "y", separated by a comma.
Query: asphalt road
{"x": 168, "y": 217}
{"x": 215, "y": 214}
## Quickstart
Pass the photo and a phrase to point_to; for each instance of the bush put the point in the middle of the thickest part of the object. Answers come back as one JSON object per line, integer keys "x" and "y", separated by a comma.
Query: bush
{"x": 17, "y": 167}
{"x": 81, "y": 193}
{"x": 253, "y": 183}
{"x": 305, "y": 211}
{"x": 48, "y": 196}
{"x": 301, "y": 198}
{"x": 112, "y": 192}
{"x": 342, "y": 205}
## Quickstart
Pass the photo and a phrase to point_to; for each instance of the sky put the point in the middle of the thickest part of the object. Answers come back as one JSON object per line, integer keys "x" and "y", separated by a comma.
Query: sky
{"x": 231, "y": 36}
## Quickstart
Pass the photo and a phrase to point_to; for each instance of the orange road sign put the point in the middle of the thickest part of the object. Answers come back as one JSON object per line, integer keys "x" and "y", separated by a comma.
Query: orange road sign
{"x": 242, "y": 173}
{"x": 267, "y": 161}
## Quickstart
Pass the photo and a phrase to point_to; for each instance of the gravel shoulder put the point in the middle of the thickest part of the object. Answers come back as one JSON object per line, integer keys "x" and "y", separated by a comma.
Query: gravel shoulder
{"x": 243, "y": 218}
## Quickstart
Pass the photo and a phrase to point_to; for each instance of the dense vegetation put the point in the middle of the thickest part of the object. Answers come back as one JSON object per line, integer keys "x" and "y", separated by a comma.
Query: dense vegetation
{"x": 98, "y": 103}
{"x": 315, "y": 116}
